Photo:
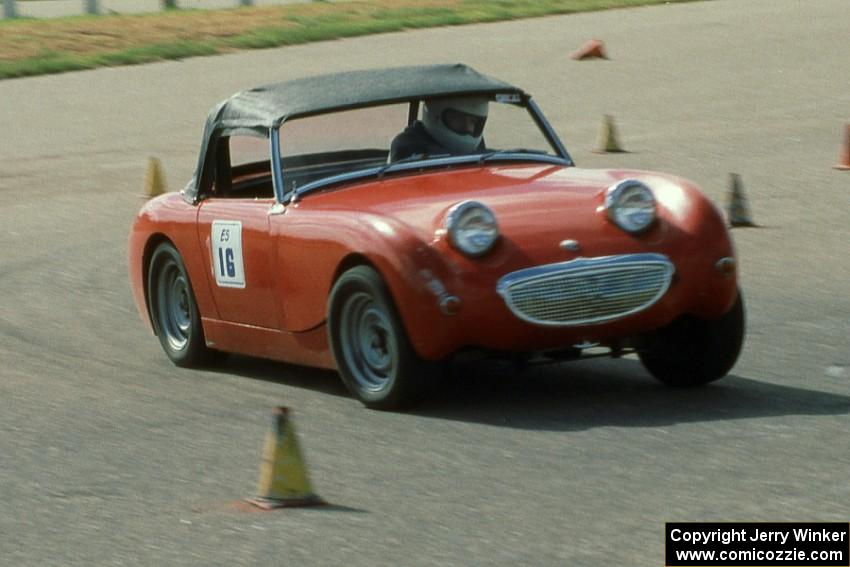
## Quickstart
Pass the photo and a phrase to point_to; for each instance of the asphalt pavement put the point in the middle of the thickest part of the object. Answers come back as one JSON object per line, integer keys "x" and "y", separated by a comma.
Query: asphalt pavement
{"x": 109, "y": 455}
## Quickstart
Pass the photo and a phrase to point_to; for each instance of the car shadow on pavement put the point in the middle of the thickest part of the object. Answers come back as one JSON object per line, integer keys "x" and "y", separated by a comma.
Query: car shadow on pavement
{"x": 324, "y": 381}
{"x": 571, "y": 396}
{"x": 604, "y": 392}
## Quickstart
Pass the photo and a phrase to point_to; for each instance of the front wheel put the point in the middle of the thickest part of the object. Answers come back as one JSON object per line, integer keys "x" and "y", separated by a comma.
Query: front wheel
{"x": 373, "y": 354}
{"x": 174, "y": 312}
{"x": 692, "y": 351}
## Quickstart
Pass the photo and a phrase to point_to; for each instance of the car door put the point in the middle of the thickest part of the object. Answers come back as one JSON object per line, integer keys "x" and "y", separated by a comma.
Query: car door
{"x": 234, "y": 237}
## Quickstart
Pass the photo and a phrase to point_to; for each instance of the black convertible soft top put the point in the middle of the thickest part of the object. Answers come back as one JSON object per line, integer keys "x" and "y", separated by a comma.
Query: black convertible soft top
{"x": 258, "y": 110}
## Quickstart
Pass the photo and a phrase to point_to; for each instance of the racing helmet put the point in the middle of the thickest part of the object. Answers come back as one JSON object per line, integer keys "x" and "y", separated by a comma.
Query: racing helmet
{"x": 457, "y": 124}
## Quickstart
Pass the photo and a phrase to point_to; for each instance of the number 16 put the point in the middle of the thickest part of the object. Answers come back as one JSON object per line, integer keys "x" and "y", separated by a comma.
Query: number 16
{"x": 225, "y": 260}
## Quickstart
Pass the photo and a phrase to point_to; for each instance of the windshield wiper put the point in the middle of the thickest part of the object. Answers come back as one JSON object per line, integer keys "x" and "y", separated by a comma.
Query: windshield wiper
{"x": 408, "y": 159}
{"x": 487, "y": 156}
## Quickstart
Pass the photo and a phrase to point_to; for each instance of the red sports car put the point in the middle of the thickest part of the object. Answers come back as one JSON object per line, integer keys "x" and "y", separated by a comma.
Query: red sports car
{"x": 379, "y": 222}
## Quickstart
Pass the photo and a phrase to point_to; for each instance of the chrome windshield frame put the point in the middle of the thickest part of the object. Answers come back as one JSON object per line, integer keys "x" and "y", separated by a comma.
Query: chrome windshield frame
{"x": 277, "y": 171}
{"x": 561, "y": 159}
{"x": 547, "y": 129}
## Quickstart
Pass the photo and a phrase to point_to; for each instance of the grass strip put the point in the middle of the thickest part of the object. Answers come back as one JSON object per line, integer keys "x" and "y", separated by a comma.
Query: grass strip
{"x": 36, "y": 47}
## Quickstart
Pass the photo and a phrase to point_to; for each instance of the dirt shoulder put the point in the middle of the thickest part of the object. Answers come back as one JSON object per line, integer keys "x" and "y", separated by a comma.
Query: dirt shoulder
{"x": 36, "y": 47}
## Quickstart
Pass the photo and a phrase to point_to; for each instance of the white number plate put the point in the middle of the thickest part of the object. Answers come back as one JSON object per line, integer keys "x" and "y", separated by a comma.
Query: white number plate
{"x": 227, "y": 253}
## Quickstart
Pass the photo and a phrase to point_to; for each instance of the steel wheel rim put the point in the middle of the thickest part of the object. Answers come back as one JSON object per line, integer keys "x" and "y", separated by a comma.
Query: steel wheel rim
{"x": 369, "y": 344}
{"x": 173, "y": 305}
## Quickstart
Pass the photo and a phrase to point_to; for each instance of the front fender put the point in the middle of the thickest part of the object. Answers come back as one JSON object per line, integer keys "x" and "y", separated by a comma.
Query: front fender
{"x": 697, "y": 239}
{"x": 315, "y": 247}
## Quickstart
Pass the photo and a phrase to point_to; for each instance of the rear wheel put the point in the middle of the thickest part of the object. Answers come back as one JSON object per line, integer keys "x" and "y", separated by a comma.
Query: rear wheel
{"x": 373, "y": 354}
{"x": 174, "y": 312}
{"x": 692, "y": 351}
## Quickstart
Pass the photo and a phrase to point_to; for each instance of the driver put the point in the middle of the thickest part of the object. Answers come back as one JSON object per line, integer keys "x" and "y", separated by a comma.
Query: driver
{"x": 452, "y": 126}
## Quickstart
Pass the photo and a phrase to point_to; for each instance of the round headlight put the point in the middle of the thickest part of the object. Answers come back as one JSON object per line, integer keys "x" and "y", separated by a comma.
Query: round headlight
{"x": 630, "y": 205}
{"x": 472, "y": 228}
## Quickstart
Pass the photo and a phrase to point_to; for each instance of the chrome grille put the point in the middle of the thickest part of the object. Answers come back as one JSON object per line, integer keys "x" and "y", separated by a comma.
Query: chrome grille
{"x": 587, "y": 290}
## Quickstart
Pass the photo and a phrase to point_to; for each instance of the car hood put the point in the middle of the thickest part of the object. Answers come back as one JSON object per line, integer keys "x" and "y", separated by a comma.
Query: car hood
{"x": 536, "y": 206}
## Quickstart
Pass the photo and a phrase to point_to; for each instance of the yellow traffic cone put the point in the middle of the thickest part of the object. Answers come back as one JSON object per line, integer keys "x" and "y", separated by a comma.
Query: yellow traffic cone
{"x": 739, "y": 210}
{"x": 154, "y": 182}
{"x": 608, "y": 142}
{"x": 283, "y": 474}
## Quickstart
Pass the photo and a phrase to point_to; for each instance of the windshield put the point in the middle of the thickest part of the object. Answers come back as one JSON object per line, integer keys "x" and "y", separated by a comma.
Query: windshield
{"x": 381, "y": 139}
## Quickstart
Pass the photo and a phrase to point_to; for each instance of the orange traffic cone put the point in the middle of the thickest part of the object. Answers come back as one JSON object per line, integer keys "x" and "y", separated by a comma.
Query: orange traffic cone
{"x": 844, "y": 155}
{"x": 593, "y": 49}
{"x": 154, "y": 182}
{"x": 739, "y": 210}
{"x": 608, "y": 142}
{"x": 283, "y": 475}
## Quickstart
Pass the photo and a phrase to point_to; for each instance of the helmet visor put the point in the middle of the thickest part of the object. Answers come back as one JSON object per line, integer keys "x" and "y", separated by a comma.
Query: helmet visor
{"x": 463, "y": 123}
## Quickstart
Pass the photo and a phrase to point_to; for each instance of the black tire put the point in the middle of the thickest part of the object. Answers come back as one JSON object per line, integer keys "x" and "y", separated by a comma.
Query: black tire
{"x": 174, "y": 312}
{"x": 373, "y": 354}
{"x": 692, "y": 351}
